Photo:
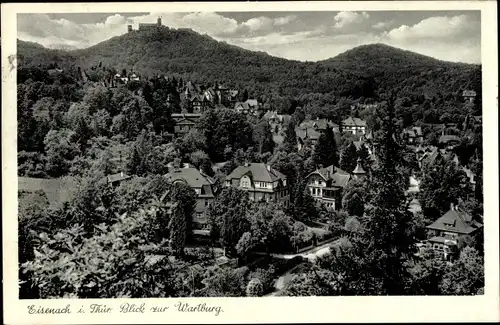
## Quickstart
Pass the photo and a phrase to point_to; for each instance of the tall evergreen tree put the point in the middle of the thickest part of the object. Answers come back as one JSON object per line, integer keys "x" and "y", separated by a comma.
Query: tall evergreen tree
{"x": 186, "y": 198}
{"x": 244, "y": 96}
{"x": 386, "y": 239}
{"x": 304, "y": 207}
{"x": 348, "y": 158}
{"x": 134, "y": 165}
{"x": 177, "y": 229}
{"x": 83, "y": 133}
{"x": 290, "y": 138}
{"x": 325, "y": 150}
{"x": 263, "y": 137}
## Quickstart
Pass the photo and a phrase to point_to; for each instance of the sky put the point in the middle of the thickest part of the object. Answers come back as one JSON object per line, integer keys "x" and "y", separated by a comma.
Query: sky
{"x": 305, "y": 36}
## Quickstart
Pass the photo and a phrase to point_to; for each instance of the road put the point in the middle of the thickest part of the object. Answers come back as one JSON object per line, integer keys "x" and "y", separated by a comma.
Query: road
{"x": 311, "y": 255}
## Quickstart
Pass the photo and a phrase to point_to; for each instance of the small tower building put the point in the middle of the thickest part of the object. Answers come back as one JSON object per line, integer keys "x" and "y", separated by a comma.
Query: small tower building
{"x": 359, "y": 172}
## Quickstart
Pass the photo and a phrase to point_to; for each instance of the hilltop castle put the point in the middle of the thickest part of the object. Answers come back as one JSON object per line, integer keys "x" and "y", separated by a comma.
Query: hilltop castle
{"x": 146, "y": 26}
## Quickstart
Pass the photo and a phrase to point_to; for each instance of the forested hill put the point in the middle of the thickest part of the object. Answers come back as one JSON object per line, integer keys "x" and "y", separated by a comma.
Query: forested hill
{"x": 393, "y": 67}
{"x": 355, "y": 73}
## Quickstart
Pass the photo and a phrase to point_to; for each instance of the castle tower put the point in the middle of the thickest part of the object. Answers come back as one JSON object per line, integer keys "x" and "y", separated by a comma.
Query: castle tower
{"x": 129, "y": 28}
{"x": 158, "y": 21}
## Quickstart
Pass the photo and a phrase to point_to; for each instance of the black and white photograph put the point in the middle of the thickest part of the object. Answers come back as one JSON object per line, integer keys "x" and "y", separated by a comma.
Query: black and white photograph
{"x": 224, "y": 154}
{"x": 249, "y": 154}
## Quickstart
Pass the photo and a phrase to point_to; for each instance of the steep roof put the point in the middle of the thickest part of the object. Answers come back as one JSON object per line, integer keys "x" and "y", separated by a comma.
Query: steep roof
{"x": 469, "y": 93}
{"x": 270, "y": 115}
{"x": 432, "y": 153}
{"x": 260, "y": 172}
{"x": 359, "y": 169}
{"x": 415, "y": 131}
{"x": 117, "y": 177}
{"x": 337, "y": 176}
{"x": 310, "y": 133}
{"x": 457, "y": 221}
{"x": 319, "y": 123}
{"x": 252, "y": 102}
{"x": 353, "y": 121}
{"x": 448, "y": 138}
{"x": 243, "y": 105}
{"x": 196, "y": 97}
{"x": 192, "y": 176}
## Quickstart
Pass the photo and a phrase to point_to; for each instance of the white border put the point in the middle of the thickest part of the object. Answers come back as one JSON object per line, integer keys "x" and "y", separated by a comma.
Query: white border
{"x": 271, "y": 309}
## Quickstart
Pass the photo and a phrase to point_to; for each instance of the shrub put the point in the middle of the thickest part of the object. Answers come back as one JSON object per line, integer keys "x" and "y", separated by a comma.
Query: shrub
{"x": 254, "y": 288}
{"x": 266, "y": 277}
{"x": 115, "y": 261}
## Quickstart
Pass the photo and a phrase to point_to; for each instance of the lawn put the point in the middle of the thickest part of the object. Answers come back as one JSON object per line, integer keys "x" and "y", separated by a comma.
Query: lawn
{"x": 57, "y": 190}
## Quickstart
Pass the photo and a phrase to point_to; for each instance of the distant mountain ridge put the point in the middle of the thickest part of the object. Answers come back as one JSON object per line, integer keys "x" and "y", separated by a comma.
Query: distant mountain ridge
{"x": 356, "y": 72}
{"x": 64, "y": 47}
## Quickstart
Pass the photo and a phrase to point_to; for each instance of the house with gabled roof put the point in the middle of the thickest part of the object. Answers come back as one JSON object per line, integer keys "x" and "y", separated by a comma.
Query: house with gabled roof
{"x": 197, "y": 103}
{"x": 262, "y": 182}
{"x": 449, "y": 141}
{"x": 116, "y": 179}
{"x": 327, "y": 184}
{"x": 311, "y": 130}
{"x": 428, "y": 155}
{"x": 276, "y": 121}
{"x": 184, "y": 122}
{"x": 469, "y": 95}
{"x": 445, "y": 232}
{"x": 413, "y": 135}
{"x": 354, "y": 125}
{"x": 203, "y": 185}
{"x": 242, "y": 107}
{"x": 250, "y": 106}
